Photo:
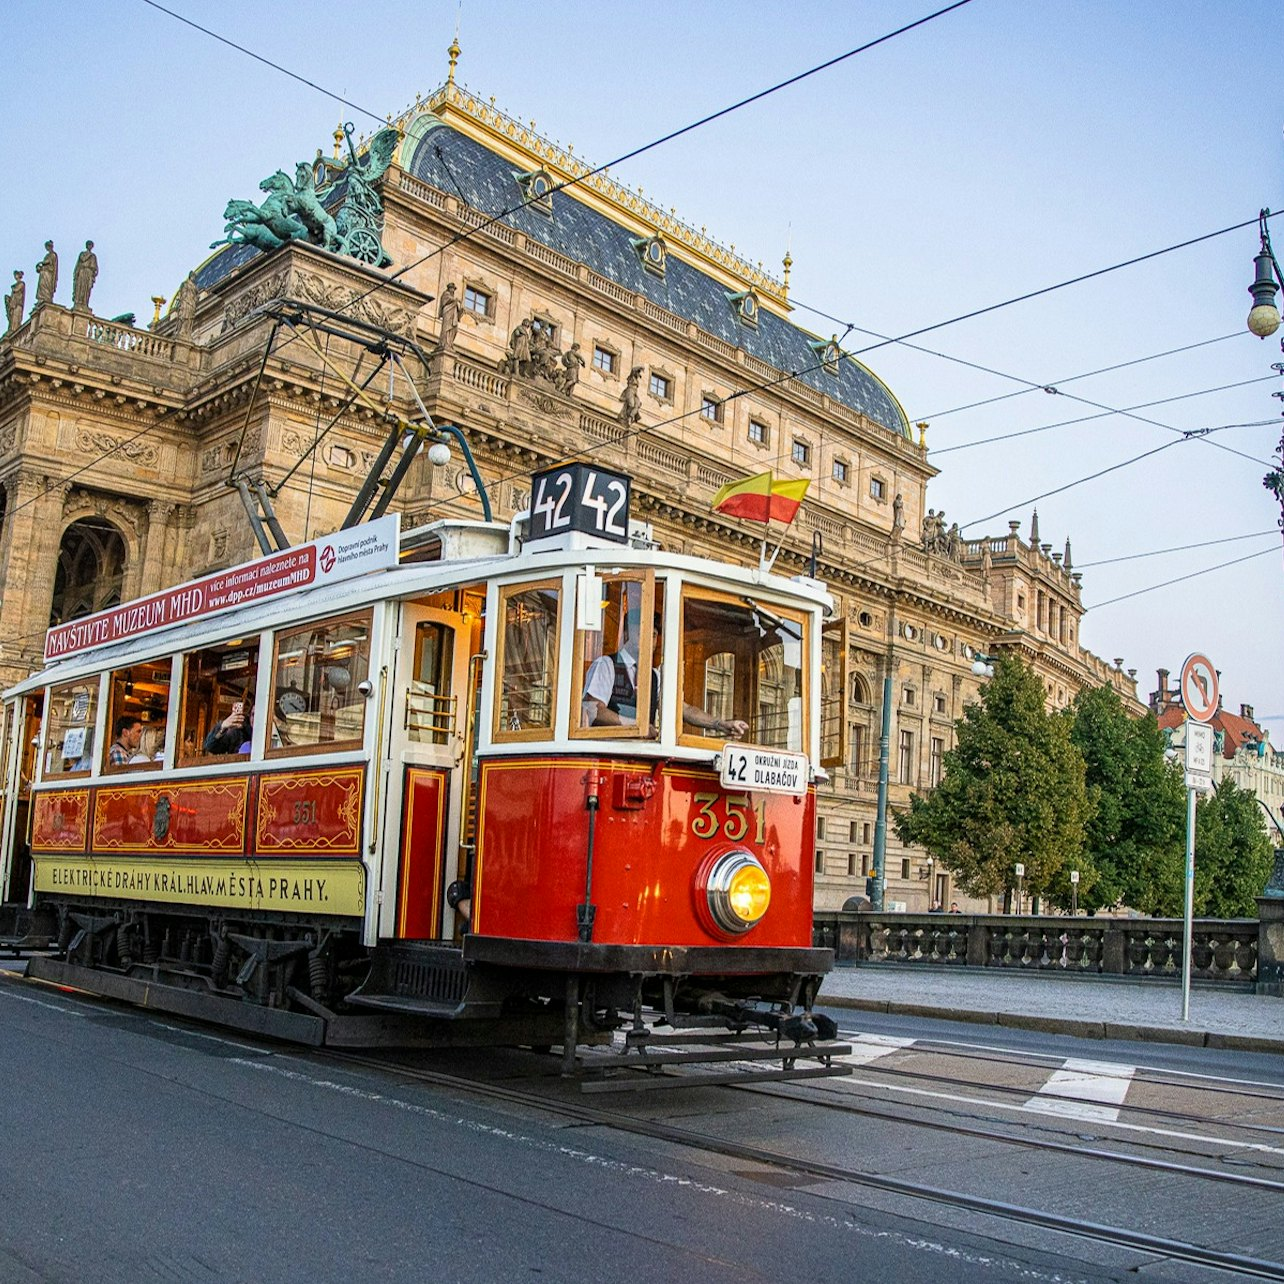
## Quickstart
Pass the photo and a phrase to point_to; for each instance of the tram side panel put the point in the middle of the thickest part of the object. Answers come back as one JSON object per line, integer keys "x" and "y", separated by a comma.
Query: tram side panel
{"x": 657, "y": 825}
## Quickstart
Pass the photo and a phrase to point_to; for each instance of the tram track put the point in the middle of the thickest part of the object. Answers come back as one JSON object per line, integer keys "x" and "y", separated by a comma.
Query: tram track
{"x": 1081, "y": 1228}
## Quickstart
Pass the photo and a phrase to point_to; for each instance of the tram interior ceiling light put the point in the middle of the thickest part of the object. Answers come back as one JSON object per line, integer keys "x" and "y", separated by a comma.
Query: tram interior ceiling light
{"x": 1264, "y": 316}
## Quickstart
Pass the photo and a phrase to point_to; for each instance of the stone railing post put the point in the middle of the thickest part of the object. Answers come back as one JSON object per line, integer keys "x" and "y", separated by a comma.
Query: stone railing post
{"x": 978, "y": 950}
{"x": 1270, "y": 939}
{"x": 1113, "y": 952}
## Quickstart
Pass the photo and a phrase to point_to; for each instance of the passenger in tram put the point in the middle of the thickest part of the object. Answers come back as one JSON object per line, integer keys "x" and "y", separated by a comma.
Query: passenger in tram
{"x": 128, "y": 733}
{"x": 151, "y": 745}
{"x": 236, "y": 732}
{"x": 611, "y": 689}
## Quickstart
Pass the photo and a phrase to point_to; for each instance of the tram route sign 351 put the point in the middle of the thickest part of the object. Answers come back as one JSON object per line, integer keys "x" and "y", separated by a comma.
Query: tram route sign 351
{"x": 582, "y": 499}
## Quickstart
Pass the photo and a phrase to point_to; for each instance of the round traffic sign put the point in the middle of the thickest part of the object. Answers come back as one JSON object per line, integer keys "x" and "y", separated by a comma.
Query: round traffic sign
{"x": 1199, "y": 687}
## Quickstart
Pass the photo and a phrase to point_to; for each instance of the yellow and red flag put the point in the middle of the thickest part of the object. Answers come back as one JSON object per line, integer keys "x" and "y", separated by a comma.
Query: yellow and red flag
{"x": 761, "y": 499}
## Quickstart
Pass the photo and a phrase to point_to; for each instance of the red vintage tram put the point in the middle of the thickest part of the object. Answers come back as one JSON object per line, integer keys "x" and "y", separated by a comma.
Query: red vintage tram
{"x": 477, "y": 784}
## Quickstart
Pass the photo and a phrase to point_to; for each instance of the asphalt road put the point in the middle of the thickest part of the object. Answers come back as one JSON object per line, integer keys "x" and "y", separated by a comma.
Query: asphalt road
{"x": 140, "y": 1149}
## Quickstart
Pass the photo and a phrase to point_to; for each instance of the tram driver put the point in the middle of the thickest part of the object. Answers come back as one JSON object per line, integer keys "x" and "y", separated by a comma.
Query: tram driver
{"x": 611, "y": 695}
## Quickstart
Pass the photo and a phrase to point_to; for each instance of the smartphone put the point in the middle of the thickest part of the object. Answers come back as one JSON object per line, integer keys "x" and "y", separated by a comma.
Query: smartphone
{"x": 238, "y": 708}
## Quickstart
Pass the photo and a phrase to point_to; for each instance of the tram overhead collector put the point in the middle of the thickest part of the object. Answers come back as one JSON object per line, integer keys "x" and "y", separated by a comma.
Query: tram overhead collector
{"x": 482, "y": 784}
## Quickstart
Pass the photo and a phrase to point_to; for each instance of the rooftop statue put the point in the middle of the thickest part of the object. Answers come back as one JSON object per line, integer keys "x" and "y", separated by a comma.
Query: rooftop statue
{"x": 299, "y": 209}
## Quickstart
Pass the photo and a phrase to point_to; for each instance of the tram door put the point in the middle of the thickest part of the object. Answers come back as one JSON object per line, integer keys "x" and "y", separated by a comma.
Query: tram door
{"x": 427, "y": 779}
{"x": 21, "y": 732}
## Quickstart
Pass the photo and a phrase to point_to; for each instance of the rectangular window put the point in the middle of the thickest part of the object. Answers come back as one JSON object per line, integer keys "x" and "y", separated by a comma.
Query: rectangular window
{"x": 603, "y": 360}
{"x": 856, "y": 760}
{"x": 743, "y": 663}
{"x": 217, "y": 715}
{"x": 877, "y": 488}
{"x": 851, "y": 864}
{"x": 616, "y": 666}
{"x": 759, "y": 433}
{"x": 711, "y": 409}
{"x": 820, "y": 862}
{"x": 907, "y": 758}
{"x": 938, "y": 704}
{"x": 316, "y": 674}
{"x": 800, "y": 453}
{"x": 840, "y": 471}
{"x": 661, "y": 387}
{"x": 905, "y": 870}
{"x": 853, "y": 829}
{"x": 137, "y": 705}
{"x": 69, "y": 729}
{"x": 820, "y": 826}
{"x": 935, "y": 759}
{"x": 431, "y": 704}
{"x": 864, "y": 837}
{"x": 476, "y": 300}
{"x": 907, "y": 695}
{"x": 527, "y": 666}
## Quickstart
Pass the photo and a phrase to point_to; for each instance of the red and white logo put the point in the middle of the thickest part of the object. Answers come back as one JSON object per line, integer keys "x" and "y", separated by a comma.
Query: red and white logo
{"x": 1199, "y": 692}
{"x": 327, "y": 559}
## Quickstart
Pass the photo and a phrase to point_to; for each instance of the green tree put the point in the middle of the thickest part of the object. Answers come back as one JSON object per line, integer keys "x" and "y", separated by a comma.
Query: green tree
{"x": 1233, "y": 855}
{"x": 1135, "y": 838}
{"x": 1012, "y": 791}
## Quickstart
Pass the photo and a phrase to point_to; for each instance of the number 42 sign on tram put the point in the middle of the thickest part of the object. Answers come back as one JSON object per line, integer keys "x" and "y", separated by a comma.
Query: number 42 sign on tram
{"x": 580, "y": 498}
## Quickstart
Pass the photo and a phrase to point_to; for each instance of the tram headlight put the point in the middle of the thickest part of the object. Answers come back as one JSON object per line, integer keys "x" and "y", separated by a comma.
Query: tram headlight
{"x": 737, "y": 891}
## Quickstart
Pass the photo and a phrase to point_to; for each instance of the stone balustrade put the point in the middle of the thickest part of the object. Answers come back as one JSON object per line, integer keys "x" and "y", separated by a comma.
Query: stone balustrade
{"x": 1222, "y": 950}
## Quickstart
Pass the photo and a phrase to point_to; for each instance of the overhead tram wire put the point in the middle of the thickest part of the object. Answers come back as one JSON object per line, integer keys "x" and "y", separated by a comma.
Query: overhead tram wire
{"x": 1208, "y": 570}
{"x": 1191, "y": 435}
{"x": 1032, "y": 386}
{"x": 1177, "y": 548}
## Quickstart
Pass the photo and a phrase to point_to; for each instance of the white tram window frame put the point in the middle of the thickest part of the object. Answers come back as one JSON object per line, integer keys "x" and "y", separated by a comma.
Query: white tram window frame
{"x": 501, "y": 732}
{"x": 281, "y": 743}
{"x": 590, "y": 645}
{"x": 93, "y": 725}
{"x": 119, "y": 684}
{"x": 801, "y": 738}
{"x": 254, "y": 643}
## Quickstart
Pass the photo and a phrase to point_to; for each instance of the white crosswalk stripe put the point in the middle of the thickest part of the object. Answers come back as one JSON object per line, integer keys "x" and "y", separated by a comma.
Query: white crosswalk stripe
{"x": 1096, "y": 1088}
{"x": 869, "y": 1047}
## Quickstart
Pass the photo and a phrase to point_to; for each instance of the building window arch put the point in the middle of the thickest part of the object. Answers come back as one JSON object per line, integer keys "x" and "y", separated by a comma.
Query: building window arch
{"x": 90, "y": 574}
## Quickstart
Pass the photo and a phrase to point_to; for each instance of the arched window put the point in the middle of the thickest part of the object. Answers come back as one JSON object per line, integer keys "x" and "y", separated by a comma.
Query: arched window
{"x": 91, "y": 569}
{"x": 860, "y": 690}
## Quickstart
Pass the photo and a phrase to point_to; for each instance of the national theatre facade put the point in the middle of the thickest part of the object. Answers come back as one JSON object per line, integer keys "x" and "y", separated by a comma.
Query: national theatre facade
{"x": 584, "y": 322}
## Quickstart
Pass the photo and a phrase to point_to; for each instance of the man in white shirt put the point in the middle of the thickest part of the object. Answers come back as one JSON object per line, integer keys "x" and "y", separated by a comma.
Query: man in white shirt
{"x": 611, "y": 696}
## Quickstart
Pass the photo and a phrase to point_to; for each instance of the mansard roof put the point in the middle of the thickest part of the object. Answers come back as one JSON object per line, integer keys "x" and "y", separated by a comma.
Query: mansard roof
{"x": 457, "y": 164}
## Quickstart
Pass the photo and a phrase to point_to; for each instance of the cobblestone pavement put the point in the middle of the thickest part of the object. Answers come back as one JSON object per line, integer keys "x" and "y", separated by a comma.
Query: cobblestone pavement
{"x": 1114, "y": 1009}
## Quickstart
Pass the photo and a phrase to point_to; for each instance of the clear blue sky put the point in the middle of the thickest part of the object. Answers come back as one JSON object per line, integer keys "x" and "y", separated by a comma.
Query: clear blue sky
{"x": 1004, "y": 147}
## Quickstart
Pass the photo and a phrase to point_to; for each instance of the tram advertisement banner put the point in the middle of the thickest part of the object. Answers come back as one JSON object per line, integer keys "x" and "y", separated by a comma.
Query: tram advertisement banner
{"x": 372, "y": 547}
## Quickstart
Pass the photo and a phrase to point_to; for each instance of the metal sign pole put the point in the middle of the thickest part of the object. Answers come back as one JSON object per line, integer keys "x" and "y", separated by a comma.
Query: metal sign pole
{"x": 1190, "y": 905}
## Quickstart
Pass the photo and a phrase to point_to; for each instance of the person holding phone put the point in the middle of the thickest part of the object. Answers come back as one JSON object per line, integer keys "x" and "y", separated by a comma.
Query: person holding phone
{"x": 235, "y": 733}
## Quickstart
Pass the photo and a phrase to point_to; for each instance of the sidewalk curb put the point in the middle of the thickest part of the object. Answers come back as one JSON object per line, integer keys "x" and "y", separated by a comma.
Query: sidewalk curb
{"x": 1064, "y": 1025}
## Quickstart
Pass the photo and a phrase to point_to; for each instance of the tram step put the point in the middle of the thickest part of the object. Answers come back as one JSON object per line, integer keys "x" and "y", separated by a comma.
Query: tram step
{"x": 426, "y": 979}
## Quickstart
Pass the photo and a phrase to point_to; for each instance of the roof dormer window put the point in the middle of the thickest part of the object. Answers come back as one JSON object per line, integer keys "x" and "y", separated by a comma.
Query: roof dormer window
{"x": 653, "y": 252}
{"x": 830, "y": 353}
{"x": 537, "y": 188}
{"x": 746, "y": 306}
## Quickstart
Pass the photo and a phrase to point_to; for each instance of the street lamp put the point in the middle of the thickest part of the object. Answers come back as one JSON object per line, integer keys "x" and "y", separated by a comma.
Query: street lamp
{"x": 982, "y": 666}
{"x": 1020, "y": 874}
{"x": 1264, "y": 316}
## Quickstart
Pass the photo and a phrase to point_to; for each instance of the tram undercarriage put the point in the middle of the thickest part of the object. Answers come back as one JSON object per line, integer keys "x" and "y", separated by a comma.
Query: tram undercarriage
{"x": 312, "y": 982}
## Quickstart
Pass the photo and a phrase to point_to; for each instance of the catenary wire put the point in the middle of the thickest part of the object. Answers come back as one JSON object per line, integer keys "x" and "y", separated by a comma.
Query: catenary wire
{"x": 1208, "y": 570}
{"x": 1177, "y": 548}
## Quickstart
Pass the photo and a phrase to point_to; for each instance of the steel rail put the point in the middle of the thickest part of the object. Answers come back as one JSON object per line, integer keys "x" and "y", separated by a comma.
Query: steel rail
{"x": 1081, "y": 1228}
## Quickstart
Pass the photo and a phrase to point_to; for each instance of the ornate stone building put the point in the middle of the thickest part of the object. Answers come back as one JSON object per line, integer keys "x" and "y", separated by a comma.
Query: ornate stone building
{"x": 117, "y": 443}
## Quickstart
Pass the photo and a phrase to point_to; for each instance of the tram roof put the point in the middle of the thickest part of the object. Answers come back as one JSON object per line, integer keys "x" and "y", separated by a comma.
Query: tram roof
{"x": 410, "y": 579}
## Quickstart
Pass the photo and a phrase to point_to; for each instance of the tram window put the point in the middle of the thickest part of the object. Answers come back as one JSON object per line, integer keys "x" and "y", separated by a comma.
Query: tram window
{"x": 216, "y": 680}
{"x": 742, "y": 660}
{"x": 430, "y": 703}
{"x": 317, "y": 671}
{"x": 137, "y": 703}
{"x": 69, "y": 729}
{"x": 616, "y": 666}
{"x": 524, "y": 703}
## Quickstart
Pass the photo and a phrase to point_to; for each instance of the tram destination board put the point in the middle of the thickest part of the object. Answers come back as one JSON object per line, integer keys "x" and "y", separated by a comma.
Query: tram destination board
{"x": 770, "y": 770}
{"x": 580, "y": 498}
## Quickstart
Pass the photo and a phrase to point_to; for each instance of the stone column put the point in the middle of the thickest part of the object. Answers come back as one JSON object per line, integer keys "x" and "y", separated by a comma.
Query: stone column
{"x": 28, "y": 560}
{"x": 154, "y": 571}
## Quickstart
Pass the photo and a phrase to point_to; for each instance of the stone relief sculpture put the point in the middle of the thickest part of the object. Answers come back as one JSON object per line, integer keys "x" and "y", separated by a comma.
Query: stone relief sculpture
{"x": 47, "y": 275}
{"x": 15, "y": 301}
{"x": 533, "y": 353}
{"x": 296, "y": 209}
{"x": 83, "y": 277}
{"x": 631, "y": 399}
{"x": 448, "y": 312}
